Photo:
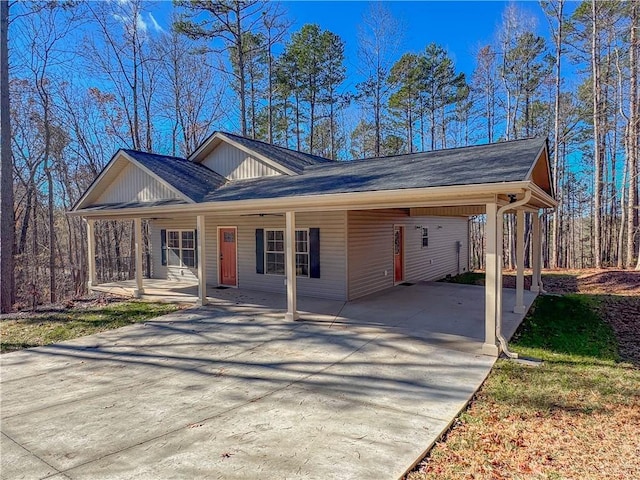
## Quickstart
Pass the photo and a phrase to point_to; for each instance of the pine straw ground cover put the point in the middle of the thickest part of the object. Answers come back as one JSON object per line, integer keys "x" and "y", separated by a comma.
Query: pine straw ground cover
{"x": 576, "y": 416}
{"x": 74, "y": 319}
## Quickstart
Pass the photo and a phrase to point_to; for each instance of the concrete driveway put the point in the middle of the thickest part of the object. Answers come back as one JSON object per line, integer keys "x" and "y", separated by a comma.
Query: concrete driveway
{"x": 356, "y": 390}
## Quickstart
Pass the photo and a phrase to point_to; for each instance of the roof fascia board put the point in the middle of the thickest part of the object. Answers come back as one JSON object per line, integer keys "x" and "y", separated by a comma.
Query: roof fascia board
{"x": 96, "y": 181}
{"x": 529, "y": 176}
{"x": 203, "y": 146}
{"x": 272, "y": 163}
{"x": 543, "y": 196}
{"x": 122, "y": 154}
{"x": 452, "y": 195}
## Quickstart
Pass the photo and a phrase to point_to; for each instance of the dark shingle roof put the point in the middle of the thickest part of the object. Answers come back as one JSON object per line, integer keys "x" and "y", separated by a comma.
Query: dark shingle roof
{"x": 295, "y": 161}
{"x": 493, "y": 163}
{"x": 191, "y": 179}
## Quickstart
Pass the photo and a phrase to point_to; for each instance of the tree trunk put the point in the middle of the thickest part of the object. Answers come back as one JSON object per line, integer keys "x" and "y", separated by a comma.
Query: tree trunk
{"x": 553, "y": 261}
{"x": 241, "y": 66}
{"x": 597, "y": 147}
{"x": 7, "y": 228}
{"x": 632, "y": 138}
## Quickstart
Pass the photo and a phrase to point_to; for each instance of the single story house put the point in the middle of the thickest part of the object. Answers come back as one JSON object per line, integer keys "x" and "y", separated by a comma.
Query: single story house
{"x": 242, "y": 213}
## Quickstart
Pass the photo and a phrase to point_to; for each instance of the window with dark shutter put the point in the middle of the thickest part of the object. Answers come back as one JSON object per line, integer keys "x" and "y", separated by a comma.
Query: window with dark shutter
{"x": 163, "y": 244}
{"x": 260, "y": 251}
{"x": 314, "y": 252}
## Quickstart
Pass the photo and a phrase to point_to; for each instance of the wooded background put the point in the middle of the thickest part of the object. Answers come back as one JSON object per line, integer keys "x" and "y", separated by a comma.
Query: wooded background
{"x": 87, "y": 78}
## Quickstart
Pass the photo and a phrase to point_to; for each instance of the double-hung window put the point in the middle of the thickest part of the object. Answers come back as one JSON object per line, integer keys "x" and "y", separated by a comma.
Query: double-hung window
{"x": 425, "y": 237}
{"x": 181, "y": 248}
{"x": 275, "y": 252}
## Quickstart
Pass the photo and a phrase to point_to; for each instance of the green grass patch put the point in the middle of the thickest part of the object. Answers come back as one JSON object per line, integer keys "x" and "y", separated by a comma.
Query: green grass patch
{"x": 580, "y": 372}
{"x": 17, "y": 334}
{"x": 466, "y": 278}
{"x": 567, "y": 326}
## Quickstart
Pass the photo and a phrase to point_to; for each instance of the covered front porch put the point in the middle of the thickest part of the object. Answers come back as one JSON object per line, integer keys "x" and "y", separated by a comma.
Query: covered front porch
{"x": 446, "y": 314}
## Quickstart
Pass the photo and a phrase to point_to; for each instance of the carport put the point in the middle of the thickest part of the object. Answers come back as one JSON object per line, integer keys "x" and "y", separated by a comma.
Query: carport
{"x": 508, "y": 178}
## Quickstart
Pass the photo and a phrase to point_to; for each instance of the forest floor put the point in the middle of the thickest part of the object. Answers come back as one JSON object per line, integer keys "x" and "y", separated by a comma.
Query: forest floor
{"x": 75, "y": 318}
{"x": 577, "y": 415}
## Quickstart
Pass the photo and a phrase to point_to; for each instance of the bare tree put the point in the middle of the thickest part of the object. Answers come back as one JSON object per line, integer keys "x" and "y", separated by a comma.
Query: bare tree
{"x": 379, "y": 40}
{"x": 485, "y": 81}
{"x": 191, "y": 96}
{"x": 229, "y": 20}
{"x": 7, "y": 292}
{"x": 555, "y": 10}
{"x": 122, "y": 58}
{"x": 632, "y": 138}
{"x": 598, "y": 153}
{"x": 44, "y": 31}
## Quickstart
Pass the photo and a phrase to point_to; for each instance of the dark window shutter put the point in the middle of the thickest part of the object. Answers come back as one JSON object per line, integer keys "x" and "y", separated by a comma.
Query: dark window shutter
{"x": 314, "y": 252}
{"x": 163, "y": 243}
{"x": 195, "y": 248}
{"x": 260, "y": 250}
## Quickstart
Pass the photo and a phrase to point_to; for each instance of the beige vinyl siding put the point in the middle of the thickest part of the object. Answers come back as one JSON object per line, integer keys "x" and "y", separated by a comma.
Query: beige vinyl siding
{"x": 332, "y": 281}
{"x": 235, "y": 164}
{"x": 135, "y": 185}
{"x": 370, "y": 247}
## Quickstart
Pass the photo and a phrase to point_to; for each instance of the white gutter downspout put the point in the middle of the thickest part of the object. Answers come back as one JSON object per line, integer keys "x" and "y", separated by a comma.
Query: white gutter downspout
{"x": 499, "y": 218}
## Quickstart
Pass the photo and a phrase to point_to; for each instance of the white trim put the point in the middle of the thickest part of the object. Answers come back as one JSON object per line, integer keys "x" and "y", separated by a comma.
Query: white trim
{"x": 182, "y": 265}
{"x": 370, "y": 200}
{"x": 346, "y": 255}
{"x": 219, "y": 271}
{"x": 201, "y": 245}
{"x": 529, "y": 175}
{"x": 96, "y": 181}
{"x": 290, "y": 266}
{"x": 121, "y": 154}
{"x": 283, "y": 230}
{"x": 422, "y": 229}
{"x": 157, "y": 177}
{"x": 402, "y": 251}
{"x": 137, "y": 225}
{"x": 221, "y": 136}
{"x": 91, "y": 255}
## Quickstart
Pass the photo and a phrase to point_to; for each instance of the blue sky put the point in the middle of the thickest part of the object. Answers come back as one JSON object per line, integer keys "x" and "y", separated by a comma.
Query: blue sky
{"x": 459, "y": 26}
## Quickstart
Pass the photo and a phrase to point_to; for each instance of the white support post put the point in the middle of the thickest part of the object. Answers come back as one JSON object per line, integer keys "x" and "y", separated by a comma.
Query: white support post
{"x": 536, "y": 250}
{"x": 499, "y": 264}
{"x": 490, "y": 346}
{"x": 540, "y": 258}
{"x": 519, "y": 306}
{"x": 290, "y": 262}
{"x": 202, "y": 260}
{"x": 137, "y": 226}
{"x": 91, "y": 254}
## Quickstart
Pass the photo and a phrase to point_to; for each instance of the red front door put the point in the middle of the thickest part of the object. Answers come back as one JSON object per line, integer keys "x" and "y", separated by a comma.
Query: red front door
{"x": 227, "y": 242}
{"x": 398, "y": 254}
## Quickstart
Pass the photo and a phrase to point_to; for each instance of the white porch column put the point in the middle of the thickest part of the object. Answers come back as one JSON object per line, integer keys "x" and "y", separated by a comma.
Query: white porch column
{"x": 519, "y": 306}
{"x": 137, "y": 227}
{"x": 490, "y": 346}
{"x": 499, "y": 264}
{"x": 536, "y": 250}
{"x": 290, "y": 262}
{"x": 91, "y": 254}
{"x": 202, "y": 260}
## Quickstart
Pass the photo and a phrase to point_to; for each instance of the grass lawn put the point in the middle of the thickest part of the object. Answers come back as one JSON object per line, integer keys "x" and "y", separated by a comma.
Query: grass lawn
{"x": 576, "y": 416}
{"x": 45, "y": 328}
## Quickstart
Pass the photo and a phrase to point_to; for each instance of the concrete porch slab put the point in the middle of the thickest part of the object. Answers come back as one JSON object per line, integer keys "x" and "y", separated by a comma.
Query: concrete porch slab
{"x": 357, "y": 390}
